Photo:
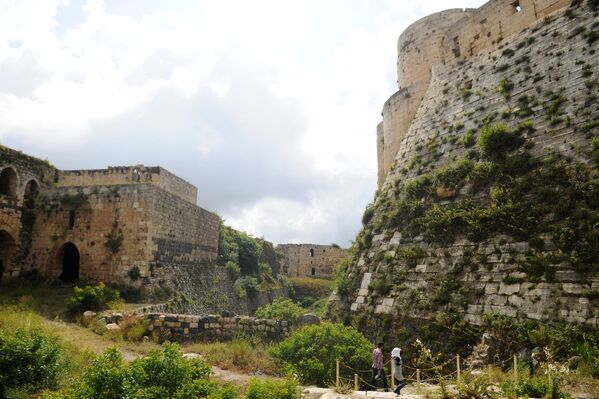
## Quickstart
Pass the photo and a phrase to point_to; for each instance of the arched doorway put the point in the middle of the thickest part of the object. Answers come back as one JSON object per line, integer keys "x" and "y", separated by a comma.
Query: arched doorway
{"x": 7, "y": 250}
{"x": 69, "y": 256}
{"x": 31, "y": 190}
{"x": 8, "y": 182}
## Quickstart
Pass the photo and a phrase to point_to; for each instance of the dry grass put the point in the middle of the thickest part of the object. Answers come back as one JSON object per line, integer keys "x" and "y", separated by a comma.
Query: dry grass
{"x": 240, "y": 355}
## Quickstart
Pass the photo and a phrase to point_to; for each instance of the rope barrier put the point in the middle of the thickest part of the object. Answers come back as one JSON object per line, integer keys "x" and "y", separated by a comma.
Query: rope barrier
{"x": 418, "y": 375}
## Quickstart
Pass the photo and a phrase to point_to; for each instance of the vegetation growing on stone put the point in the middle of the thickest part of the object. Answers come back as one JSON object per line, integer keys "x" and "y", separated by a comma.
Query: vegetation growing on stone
{"x": 114, "y": 239}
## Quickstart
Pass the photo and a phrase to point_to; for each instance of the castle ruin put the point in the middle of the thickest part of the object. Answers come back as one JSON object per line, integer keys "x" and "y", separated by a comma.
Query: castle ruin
{"x": 116, "y": 225}
{"x": 310, "y": 260}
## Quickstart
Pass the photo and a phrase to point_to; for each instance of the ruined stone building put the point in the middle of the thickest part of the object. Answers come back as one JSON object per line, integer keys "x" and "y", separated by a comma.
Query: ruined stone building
{"x": 309, "y": 260}
{"x": 117, "y": 225}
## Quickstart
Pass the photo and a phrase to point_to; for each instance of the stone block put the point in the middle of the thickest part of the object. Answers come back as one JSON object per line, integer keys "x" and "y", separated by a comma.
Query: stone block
{"x": 509, "y": 289}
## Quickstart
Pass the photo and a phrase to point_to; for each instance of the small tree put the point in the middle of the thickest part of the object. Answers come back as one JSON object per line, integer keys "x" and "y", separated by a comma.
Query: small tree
{"x": 280, "y": 309}
{"x": 311, "y": 351}
{"x": 91, "y": 297}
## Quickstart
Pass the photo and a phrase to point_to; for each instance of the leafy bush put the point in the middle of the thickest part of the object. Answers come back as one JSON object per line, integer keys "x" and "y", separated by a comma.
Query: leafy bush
{"x": 29, "y": 360}
{"x": 367, "y": 216}
{"x": 496, "y": 141}
{"x": 418, "y": 188}
{"x": 468, "y": 139}
{"x": 232, "y": 269}
{"x": 90, "y": 297}
{"x": 240, "y": 248}
{"x": 280, "y": 309}
{"x": 264, "y": 389}
{"x": 476, "y": 387}
{"x": 310, "y": 352}
{"x": 161, "y": 374}
{"x": 452, "y": 175}
{"x": 134, "y": 273}
{"x": 246, "y": 285}
{"x": 304, "y": 287}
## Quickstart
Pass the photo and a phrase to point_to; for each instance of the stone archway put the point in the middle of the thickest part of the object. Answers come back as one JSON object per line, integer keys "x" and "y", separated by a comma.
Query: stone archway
{"x": 8, "y": 182}
{"x": 8, "y": 247}
{"x": 69, "y": 259}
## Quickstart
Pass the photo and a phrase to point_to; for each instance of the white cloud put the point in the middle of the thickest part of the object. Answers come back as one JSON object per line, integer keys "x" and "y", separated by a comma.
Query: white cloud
{"x": 269, "y": 106}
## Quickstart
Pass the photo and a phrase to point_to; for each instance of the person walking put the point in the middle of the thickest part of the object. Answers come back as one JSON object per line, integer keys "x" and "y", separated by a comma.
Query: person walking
{"x": 398, "y": 377}
{"x": 378, "y": 367}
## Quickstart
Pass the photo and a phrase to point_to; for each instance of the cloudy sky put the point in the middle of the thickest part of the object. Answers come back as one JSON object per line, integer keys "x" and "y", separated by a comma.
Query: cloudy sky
{"x": 269, "y": 107}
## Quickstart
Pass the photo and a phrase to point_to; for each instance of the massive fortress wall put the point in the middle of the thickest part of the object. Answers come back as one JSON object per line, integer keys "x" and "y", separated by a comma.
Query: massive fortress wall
{"x": 506, "y": 252}
{"x": 445, "y": 38}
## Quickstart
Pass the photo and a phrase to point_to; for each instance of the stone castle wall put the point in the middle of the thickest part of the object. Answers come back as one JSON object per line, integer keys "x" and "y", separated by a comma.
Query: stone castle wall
{"x": 181, "y": 232}
{"x": 25, "y": 177}
{"x": 308, "y": 260}
{"x": 87, "y": 217}
{"x": 103, "y": 222}
{"x": 448, "y": 37}
{"x": 127, "y": 175}
{"x": 552, "y": 68}
{"x": 157, "y": 228}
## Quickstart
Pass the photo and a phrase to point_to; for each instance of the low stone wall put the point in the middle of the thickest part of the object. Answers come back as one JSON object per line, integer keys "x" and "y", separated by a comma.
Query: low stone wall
{"x": 213, "y": 327}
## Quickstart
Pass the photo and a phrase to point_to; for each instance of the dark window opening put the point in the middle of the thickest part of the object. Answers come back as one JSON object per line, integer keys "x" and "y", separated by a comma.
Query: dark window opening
{"x": 313, "y": 271}
{"x": 70, "y": 262}
{"x": 7, "y": 249}
{"x": 71, "y": 220}
{"x": 311, "y": 252}
{"x": 324, "y": 250}
{"x": 456, "y": 47}
{"x": 31, "y": 191}
{"x": 8, "y": 182}
{"x": 517, "y": 7}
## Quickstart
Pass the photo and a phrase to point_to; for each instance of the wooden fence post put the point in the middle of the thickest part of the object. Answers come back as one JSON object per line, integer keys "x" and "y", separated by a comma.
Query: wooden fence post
{"x": 458, "y": 368}
{"x": 337, "y": 374}
{"x": 515, "y": 369}
{"x": 418, "y": 376}
{"x": 356, "y": 382}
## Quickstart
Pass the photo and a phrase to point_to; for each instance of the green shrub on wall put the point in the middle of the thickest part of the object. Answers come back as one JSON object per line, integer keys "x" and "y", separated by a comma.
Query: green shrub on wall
{"x": 496, "y": 141}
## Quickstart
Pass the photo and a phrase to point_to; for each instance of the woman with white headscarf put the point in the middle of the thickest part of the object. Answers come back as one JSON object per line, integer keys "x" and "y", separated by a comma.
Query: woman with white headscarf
{"x": 397, "y": 374}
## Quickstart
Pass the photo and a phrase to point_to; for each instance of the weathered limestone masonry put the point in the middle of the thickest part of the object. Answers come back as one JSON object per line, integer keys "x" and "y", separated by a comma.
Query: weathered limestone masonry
{"x": 214, "y": 327}
{"x": 532, "y": 68}
{"x": 127, "y": 225}
{"x": 21, "y": 178}
{"x": 309, "y": 260}
{"x": 208, "y": 289}
{"x": 441, "y": 40}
